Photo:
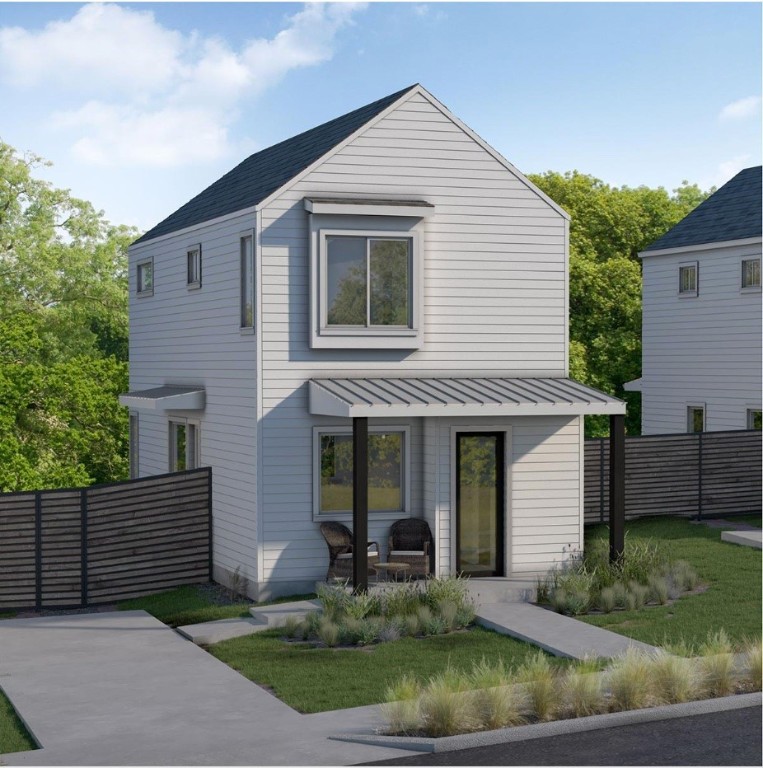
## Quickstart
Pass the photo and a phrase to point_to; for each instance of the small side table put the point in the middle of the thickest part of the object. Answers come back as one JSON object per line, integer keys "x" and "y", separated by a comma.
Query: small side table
{"x": 392, "y": 568}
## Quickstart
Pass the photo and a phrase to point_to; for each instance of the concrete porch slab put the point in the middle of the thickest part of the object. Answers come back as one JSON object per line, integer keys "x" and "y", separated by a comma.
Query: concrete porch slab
{"x": 752, "y": 538}
{"x": 210, "y": 632}
{"x": 276, "y": 615}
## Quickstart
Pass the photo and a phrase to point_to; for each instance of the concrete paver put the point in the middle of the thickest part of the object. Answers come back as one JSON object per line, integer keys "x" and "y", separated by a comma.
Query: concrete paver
{"x": 123, "y": 689}
{"x": 210, "y": 632}
{"x": 751, "y": 538}
{"x": 276, "y": 615}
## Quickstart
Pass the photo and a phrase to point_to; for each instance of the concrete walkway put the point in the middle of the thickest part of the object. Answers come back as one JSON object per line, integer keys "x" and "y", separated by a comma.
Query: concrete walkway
{"x": 123, "y": 689}
{"x": 745, "y": 538}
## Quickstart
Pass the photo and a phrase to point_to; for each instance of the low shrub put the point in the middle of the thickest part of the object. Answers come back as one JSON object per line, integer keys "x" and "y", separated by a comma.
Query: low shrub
{"x": 391, "y": 631}
{"x": 628, "y": 680}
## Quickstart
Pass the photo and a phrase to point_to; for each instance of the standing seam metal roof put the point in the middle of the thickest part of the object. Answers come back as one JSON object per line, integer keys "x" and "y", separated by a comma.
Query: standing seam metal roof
{"x": 731, "y": 213}
{"x": 262, "y": 173}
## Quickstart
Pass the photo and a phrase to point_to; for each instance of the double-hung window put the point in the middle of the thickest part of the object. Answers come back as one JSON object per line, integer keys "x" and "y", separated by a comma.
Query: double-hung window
{"x": 246, "y": 251}
{"x": 688, "y": 279}
{"x": 193, "y": 260}
{"x": 751, "y": 274}
{"x": 387, "y": 471}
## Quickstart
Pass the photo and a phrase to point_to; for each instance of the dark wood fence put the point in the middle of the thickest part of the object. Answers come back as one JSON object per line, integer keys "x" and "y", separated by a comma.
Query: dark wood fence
{"x": 84, "y": 546}
{"x": 704, "y": 474}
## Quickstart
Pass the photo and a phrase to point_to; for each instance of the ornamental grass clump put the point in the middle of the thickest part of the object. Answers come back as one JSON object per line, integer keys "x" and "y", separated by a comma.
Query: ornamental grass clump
{"x": 445, "y": 708}
{"x": 674, "y": 679}
{"x": 628, "y": 680}
{"x": 410, "y": 625}
{"x": 292, "y": 627}
{"x": 606, "y": 601}
{"x": 659, "y": 590}
{"x": 328, "y": 632}
{"x": 498, "y": 707}
{"x": 582, "y": 692}
{"x": 717, "y": 665}
{"x": 402, "y": 705}
{"x": 539, "y": 680}
{"x": 752, "y": 655}
{"x": 401, "y": 600}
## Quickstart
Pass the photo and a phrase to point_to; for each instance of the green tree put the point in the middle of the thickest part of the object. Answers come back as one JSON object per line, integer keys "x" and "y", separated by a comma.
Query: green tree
{"x": 63, "y": 334}
{"x": 609, "y": 226}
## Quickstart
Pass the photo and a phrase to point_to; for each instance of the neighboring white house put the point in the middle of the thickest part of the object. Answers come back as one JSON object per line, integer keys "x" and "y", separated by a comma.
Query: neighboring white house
{"x": 701, "y": 337}
{"x": 388, "y": 264}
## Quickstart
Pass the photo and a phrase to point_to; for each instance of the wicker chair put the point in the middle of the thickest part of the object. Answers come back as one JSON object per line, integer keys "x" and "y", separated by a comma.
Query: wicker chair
{"x": 410, "y": 541}
{"x": 339, "y": 541}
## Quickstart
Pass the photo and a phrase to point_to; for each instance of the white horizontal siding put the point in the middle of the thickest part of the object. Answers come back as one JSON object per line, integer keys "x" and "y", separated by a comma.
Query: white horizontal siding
{"x": 704, "y": 349}
{"x": 182, "y": 336}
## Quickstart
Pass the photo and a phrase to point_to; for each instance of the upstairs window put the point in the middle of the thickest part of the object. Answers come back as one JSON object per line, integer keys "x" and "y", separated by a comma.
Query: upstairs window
{"x": 695, "y": 418}
{"x": 368, "y": 282}
{"x": 751, "y": 273}
{"x": 754, "y": 418}
{"x": 247, "y": 282}
{"x": 145, "y": 278}
{"x": 687, "y": 279}
{"x": 193, "y": 258}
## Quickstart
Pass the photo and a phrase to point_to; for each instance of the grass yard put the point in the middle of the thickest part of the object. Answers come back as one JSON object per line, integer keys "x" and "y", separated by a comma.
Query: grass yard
{"x": 313, "y": 679}
{"x": 749, "y": 519}
{"x": 13, "y": 735}
{"x": 732, "y": 601}
{"x": 193, "y": 605}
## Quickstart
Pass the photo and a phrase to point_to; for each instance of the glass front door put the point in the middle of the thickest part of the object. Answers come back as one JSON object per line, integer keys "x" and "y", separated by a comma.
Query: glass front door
{"x": 479, "y": 503}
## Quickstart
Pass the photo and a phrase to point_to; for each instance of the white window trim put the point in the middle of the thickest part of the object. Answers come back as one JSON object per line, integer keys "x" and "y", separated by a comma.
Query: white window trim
{"x": 375, "y": 337}
{"x": 134, "y": 444}
{"x": 246, "y": 329}
{"x": 193, "y": 250}
{"x": 172, "y": 420}
{"x": 695, "y": 292}
{"x": 343, "y": 429}
{"x": 701, "y": 406}
{"x": 138, "y": 265}
{"x": 748, "y": 288}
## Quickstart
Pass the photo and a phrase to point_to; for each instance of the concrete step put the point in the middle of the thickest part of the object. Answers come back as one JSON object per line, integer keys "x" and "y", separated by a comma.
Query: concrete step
{"x": 752, "y": 538}
{"x": 210, "y": 632}
{"x": 276, "y": 615}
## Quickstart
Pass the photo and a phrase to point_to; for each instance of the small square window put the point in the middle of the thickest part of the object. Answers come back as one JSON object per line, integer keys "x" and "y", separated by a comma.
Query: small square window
{"x": 687, "y": 279}
{"x": 754, "y": 420}
{"x": 750, "y": 273}
{"x": 695, "y": 418}
{"x": 145, "y": 276}
{"x": 193, "y": 256}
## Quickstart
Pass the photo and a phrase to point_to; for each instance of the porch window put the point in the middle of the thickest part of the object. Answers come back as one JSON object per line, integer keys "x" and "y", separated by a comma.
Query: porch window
{"x": 387, "y": 471}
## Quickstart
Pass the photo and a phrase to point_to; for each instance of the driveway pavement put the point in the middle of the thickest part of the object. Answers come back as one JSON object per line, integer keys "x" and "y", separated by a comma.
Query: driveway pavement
{"x": 123, "y": 689}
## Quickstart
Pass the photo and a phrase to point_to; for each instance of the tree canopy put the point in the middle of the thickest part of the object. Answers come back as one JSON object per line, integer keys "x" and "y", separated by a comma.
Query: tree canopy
{"x": 63, "y": 334}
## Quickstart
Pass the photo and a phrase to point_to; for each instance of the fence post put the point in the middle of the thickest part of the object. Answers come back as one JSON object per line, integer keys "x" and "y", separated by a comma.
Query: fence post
{"x": 211, "y": 518}
{"x": 38, "y": 550}
{"x": 83, "y": 547}
{"x": 699, "y": 475}
{"x": 601, "y": 479}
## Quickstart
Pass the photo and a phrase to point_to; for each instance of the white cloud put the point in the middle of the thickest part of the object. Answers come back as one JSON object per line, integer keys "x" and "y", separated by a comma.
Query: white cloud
{"x": 730, "y": 168}
{"x": 150, "y": 95}
{"x": 740, "y": 109}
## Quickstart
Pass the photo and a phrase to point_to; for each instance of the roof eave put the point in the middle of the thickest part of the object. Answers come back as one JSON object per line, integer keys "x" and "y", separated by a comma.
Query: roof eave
{"x": 701, "y": 246}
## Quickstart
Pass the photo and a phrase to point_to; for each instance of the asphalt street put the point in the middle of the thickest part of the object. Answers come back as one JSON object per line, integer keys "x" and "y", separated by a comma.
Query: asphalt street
{"x": 721, "y": 738}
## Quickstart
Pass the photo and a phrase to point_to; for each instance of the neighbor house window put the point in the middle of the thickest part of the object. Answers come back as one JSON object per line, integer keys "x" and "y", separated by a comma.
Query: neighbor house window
{"x": 368, "y": 282}
{"x": 193, "y": 258}
{"x": 687, "y": 279}
{"x": 184, "y": 445}
{"x": 247, "y": 281}
{"x": 751, "y": 273}
{"x": 695, "y": 418}
{"x": 386, "y": 471}
{"x": 145, "y": 278}
{"x": 134, "y": 443}
{"x": 754, "y": 418}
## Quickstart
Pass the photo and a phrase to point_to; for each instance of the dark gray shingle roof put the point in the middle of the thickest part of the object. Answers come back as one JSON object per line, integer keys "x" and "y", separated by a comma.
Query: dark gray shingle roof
{"x": 264, "y": 172}
{"x": 731, "y": 213}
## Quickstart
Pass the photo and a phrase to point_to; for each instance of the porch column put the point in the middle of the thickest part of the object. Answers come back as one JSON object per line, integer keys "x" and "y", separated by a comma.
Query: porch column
{"x": 360, "y": 504}
{"x": 616, "y": 487}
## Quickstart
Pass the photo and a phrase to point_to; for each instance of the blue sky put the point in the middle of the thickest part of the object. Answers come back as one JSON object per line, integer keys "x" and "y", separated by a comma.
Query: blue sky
{"x": 141, "y": 105}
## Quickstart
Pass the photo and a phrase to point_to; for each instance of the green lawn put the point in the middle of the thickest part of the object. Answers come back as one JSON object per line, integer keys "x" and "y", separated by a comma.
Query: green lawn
{"x": 13, "y": 735}
{"x": 191, "y": 605}
{"x": 732, "y": 600}
{"x": 313, "y": 679}
{"x": 749, "y": 519}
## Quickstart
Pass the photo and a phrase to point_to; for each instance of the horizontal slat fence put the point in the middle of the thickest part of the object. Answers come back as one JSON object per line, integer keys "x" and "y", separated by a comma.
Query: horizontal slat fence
{"x": 85, "y": 546}
{"x": 694, "y": 475}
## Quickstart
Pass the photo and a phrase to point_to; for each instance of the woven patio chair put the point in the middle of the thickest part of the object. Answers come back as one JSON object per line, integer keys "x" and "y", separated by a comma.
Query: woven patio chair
{"x": 411, "y": 542}
{"x": 339, "y": 541}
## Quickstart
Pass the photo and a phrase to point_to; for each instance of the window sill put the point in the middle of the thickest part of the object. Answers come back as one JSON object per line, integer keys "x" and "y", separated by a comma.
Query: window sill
{"x": 144, "y": 294}
{"x": 346, "y": 517}
{"x": 402, "y": 338}
{"x": 194, "y": 286}
{"x": 688, "y": 295}
{"x": 246, "y": 331}
{"x": 750, "y": 289}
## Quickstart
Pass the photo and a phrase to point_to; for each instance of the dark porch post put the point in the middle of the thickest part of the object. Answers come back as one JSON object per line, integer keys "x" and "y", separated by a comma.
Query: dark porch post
{"x": 616, "y": 487}
{"x": 360, "y": 504}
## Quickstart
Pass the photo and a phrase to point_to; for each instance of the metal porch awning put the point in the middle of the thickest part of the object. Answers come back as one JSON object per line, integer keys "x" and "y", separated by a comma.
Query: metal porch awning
{"x": 401, "y": 397}
{"x": 167, "y": 398}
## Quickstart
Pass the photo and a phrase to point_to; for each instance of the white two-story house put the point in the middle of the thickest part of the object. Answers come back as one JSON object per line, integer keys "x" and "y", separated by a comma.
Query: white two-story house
{"x": 701, "y": 337}
{"x": 388, "y": 265}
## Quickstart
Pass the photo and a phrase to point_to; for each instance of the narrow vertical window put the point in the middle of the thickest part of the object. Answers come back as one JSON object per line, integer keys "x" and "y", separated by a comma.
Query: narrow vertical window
{"x": 695, "y": 418}
{"x": 184, "y": 446}
{"x": 134, "y": 443}
{"x": 687, "y": 279}
{"x": 751, "y": 273}
{"x": 754, "y": 420}
{"x": 193, "y": 259}
{"x": 247, "y": 282}
{"x": 145, "y": 278}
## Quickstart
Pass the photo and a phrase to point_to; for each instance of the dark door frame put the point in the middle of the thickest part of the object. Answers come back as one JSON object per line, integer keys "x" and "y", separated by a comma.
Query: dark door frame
{"x": 500, "y": 460}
